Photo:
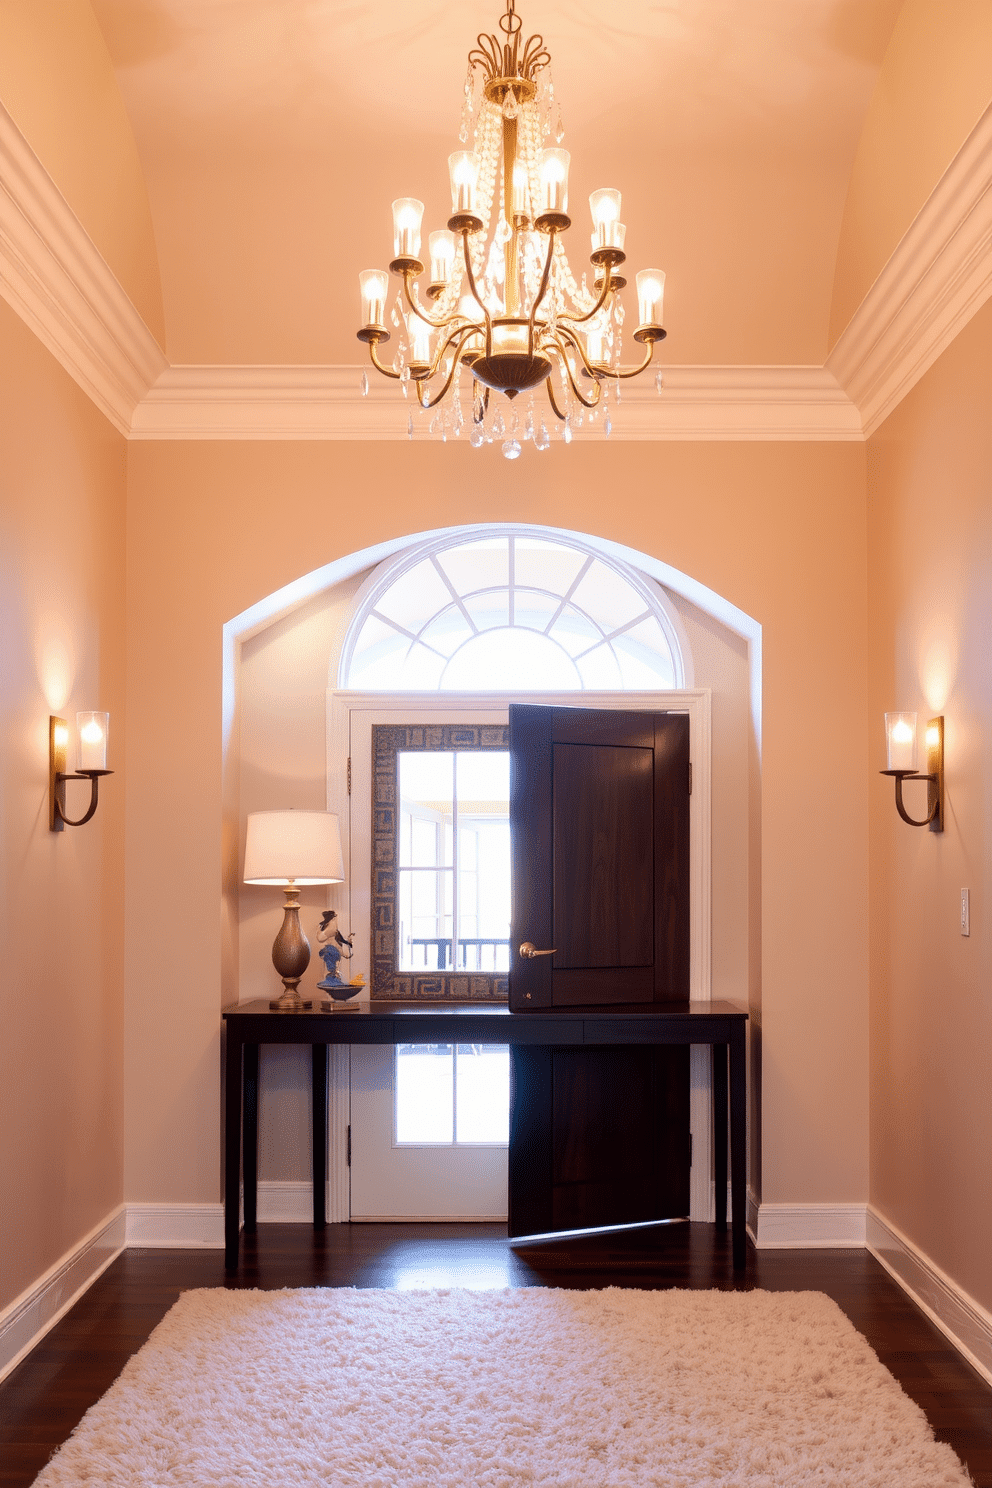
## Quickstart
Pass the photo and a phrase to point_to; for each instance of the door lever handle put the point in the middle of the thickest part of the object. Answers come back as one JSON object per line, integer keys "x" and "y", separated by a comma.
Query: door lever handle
{"x": 529, "y": 950}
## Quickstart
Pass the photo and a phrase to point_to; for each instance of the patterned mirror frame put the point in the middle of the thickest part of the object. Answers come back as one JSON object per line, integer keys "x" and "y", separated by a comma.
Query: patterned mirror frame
{"x": 387, "y": 982}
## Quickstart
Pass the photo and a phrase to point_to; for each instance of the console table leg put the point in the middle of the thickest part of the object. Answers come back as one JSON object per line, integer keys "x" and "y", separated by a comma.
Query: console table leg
{"x": 738, "y": 1145}
{"x": 249, "y": 1160}
{"x": 319, "y": 1093}
{"x": 720, "y": 1133}
{"x": 232, "y": 1149}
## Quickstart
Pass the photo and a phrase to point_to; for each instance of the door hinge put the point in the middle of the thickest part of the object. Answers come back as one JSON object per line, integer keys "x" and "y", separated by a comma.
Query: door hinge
{"x": 690, "y": 1145}
{"x": 349, "y": 1147}
{"x": 349, "y": 774}
{"x": 690, "y": 778}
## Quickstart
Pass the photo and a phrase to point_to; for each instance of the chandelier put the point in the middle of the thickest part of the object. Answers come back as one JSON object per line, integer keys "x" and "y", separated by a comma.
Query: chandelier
{"x": 503, "y": 306}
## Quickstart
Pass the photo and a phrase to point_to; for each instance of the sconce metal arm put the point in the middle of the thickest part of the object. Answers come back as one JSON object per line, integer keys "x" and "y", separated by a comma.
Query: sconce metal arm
{"x": 93, "y": 776}
{"x": 932, "y": 796}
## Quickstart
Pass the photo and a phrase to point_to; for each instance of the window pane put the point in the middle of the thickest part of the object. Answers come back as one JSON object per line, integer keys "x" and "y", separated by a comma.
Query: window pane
{"x": 510, "y": 661}
{"x": 545, "y": 565}
{"x": 447, "y": 632}
{"x": 483, "y": 1093}
{"x": 415, "y": 597}
{"x": 379, "y": 655}
{"x": 599, "y": 670}
{"x": 421, "y": 670}
{"x": 574, "y": 631}
{"x": 489, "y": 609}
{"x": 534, "y": 610}
{"x": 424, "y": 919}
{"x": 477, "y": 565}
{"x": 424, "y": 1092}
{"x": 644, "y": 656}
{"x": 426, "y": 785}
{"x": 609, "y": 597}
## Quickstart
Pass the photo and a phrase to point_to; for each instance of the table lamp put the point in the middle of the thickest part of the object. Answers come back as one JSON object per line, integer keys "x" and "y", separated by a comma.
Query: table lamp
{"x": 293, "y": 850}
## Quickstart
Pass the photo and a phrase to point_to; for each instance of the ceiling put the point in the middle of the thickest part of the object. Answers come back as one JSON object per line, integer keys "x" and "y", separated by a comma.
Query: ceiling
{"x": 275, "y": 133}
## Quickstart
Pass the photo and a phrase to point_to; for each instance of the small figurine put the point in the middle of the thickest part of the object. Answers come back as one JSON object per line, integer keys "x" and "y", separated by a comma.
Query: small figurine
{"x": 334, "y": 945}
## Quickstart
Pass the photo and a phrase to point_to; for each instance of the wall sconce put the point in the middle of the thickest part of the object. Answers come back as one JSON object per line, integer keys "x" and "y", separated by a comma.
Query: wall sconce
{"x": 901, "y": 755}
{"x": 293, "y": 850}
{"x": 91, "y": 758}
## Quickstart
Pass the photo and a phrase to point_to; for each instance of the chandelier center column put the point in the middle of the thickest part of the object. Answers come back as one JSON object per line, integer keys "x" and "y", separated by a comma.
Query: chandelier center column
{"x": 511, "y": 257}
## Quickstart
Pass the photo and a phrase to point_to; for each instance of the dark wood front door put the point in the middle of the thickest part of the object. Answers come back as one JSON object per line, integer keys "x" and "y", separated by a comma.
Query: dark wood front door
{"x": 599, "y": 819}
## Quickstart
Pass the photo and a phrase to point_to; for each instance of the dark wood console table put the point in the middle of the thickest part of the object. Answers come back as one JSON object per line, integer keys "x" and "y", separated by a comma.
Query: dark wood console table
{"x": 250, "y": 1024}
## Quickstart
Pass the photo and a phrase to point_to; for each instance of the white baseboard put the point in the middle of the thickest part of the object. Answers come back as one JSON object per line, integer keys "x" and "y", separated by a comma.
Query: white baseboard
{"x": 288, "y": 1203}
{"x": 176, "y": 1226}
{"x": 28, "y": 1318}
{"x": 963, "y": 1320}
{"x": 810, "y": 1226}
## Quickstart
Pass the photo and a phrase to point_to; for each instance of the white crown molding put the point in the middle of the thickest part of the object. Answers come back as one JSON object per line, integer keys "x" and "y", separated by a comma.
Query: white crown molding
{"x": 30, "y": 1316}
{"x": 53, "y": 275}
{"x": 751, "y": 403}
{"x": 938, "y": 277}
{"x": 963, "y": 1320}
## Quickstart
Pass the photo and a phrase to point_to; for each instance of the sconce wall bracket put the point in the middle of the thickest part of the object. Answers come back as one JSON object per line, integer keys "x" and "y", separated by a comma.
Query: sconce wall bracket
{"x": 934, "y": 777}
{"x": 58, "y": 739}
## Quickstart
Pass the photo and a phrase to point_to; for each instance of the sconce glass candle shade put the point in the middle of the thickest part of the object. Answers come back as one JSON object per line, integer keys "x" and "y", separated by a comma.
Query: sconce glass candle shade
{"x": 650, "y": 297}
{"x": 419, "y": 333}
{"x": 293, "y": 847}
{"x": 91, "y": 740}
{"x": 594, "y": 344}
{"x": 408, "y": 214}
{"x": 463, "y": 170}
{"x": 900, "y": 741}
{"x": 554, "y": 180}
{"x": 605, "y": 207}
{"x": 374, "y": 285}
{"x": 442, "y": 251}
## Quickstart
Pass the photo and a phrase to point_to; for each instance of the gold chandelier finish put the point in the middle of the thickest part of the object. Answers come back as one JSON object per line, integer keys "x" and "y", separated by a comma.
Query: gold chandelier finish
{"x": 515, "y": 317}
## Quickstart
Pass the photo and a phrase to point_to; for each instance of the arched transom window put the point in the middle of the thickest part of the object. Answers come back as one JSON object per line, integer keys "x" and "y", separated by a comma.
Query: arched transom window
{"x": 510, "y": 613}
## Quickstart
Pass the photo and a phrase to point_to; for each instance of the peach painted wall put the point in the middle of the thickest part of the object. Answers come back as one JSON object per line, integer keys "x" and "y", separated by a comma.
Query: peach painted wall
{"x": 930, "y": 568}
{"x": 778, "y": 530}
{"x": 58, "y": 84}
{"x": 62, "y": 509}
{"x": 935, "y": 83}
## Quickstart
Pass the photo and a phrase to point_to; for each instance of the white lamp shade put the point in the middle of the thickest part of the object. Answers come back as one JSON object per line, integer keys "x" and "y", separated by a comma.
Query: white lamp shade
{"x": 301, "y": 847}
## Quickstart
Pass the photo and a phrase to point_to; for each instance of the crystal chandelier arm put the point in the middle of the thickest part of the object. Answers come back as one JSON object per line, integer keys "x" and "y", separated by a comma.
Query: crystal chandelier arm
{"x": 426, "y": 401}
{"x": 607, "y": 286}
{"x": 553, "y": 401}
{"x": 542, "y": 290}
{"x": 563, "y": 354}
{"x": 464, "y": 333}
{"x": 386, "y": 371}
{"x": 476, "y": 295}
{"x": 435, "y": 325}
{"x": 618, "y": 372}
{"x": 573, "y": 340}
{"x": 461, "y": 334}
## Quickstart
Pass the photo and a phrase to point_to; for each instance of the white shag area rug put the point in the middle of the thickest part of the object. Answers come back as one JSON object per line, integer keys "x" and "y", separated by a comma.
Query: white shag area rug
{"x": 495, "y": 1389}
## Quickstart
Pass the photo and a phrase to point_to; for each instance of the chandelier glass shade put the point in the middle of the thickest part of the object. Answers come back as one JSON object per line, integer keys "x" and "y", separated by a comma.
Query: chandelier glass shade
{"x": 503, "y": 309}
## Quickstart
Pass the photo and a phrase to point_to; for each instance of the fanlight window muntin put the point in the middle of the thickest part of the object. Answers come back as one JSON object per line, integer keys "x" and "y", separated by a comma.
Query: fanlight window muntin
{"x": 518, "y": 612}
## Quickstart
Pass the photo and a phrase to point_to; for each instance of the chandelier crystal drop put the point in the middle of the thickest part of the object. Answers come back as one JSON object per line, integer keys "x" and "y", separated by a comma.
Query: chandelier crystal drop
{"x": 502, "y": 301}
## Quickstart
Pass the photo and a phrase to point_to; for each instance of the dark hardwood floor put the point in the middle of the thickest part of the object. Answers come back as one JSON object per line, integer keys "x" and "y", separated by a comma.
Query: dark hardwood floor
{"x": 42, "y": 1400}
